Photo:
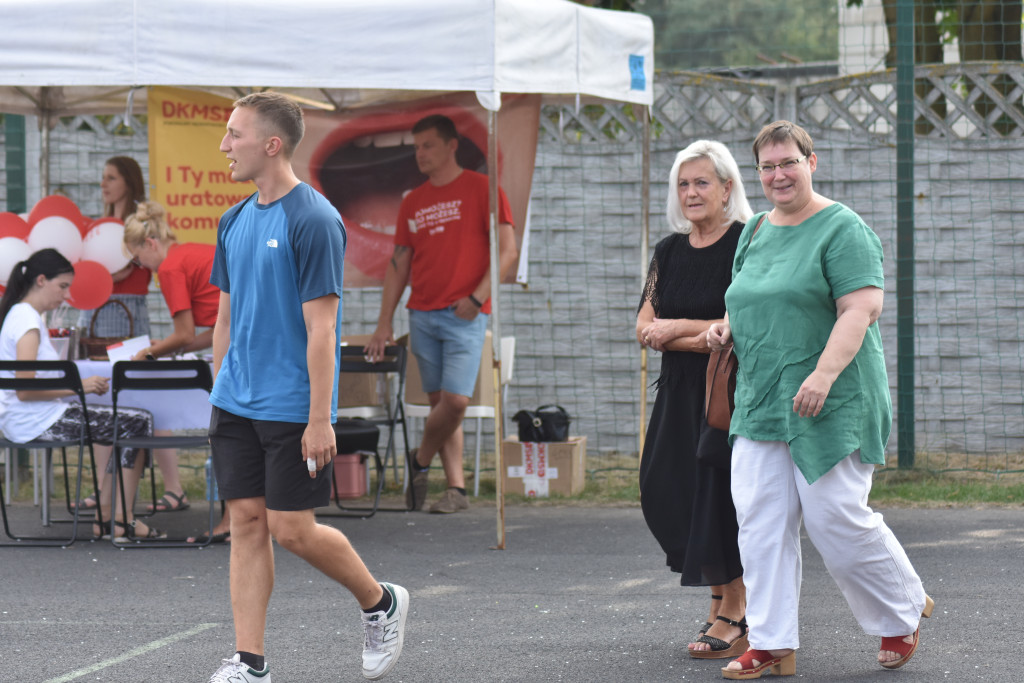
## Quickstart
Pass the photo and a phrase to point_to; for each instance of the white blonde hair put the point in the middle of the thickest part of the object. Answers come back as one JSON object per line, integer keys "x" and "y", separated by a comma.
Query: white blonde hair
{"x": 736, "y": 208}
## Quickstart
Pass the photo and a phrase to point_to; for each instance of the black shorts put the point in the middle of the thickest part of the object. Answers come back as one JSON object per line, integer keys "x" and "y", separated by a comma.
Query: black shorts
{"x": 261, "y": 458}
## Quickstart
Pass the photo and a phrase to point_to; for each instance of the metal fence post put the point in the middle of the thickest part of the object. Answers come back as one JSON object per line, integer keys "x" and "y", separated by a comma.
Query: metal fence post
{"x": 905, "y": 233}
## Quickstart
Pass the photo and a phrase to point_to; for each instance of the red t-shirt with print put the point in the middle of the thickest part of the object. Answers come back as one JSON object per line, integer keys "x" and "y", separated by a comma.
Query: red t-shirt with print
{"x": 185, "y": 282}
{"x": 447, "y": 228}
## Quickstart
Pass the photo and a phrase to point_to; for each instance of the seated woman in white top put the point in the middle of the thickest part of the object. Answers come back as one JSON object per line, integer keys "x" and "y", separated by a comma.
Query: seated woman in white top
{"x": 37, "y": 285}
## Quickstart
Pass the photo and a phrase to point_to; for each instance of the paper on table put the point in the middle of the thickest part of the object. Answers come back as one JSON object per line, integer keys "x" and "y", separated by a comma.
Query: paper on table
{"x": 124, "y": 350}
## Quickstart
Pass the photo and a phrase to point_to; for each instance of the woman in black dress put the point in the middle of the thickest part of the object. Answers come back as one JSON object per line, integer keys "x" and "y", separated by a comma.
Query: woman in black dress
{"x": 684, "y": 472}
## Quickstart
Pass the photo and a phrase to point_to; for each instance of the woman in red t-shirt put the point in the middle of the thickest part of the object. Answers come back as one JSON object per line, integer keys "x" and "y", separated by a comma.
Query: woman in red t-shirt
{"x": 183, "y": 272}
{"x": 123, "y": 188}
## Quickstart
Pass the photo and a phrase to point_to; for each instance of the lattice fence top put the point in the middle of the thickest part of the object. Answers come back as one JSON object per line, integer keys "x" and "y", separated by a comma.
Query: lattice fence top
{"x": 966, "y": 101}
{"x": 106, "y": 126}
{"x": 961, "y": 101}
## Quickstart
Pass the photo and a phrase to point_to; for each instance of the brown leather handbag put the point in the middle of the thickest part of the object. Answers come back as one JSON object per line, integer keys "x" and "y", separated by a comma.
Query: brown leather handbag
{"x": 720, "y": 385}
{"x": 720, "y": 388}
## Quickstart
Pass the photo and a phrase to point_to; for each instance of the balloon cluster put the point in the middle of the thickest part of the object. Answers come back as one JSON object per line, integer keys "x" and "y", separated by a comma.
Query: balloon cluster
{"x": 93, "y": 246}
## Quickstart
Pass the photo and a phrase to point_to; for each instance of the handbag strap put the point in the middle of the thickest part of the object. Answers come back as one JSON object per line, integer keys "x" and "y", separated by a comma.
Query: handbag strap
{"x": 556, "y": 409}
{"x": 757, "y": 227}
{"x": 127, "y": 312}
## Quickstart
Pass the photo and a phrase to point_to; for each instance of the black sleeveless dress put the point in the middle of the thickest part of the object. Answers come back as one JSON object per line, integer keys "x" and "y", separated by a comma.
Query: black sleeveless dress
{"x": 687, "y": 504}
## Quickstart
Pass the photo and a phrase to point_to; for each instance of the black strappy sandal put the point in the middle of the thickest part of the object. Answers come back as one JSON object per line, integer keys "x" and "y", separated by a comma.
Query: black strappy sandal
{"x": 131, "y": 534}
{"x": 707, "y": 624}
{"x": 720, "y": 649}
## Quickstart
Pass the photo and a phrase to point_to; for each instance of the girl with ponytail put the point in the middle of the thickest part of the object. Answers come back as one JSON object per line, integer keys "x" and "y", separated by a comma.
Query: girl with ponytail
{"x": 37, "y": 285}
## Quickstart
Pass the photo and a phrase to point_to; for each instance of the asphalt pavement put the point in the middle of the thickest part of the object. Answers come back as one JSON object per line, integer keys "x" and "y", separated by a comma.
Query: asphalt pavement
{"x": 578, "y": 594}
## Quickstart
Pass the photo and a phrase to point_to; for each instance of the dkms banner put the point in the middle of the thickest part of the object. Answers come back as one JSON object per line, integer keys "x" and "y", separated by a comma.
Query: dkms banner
{"x": 188, "y": 173}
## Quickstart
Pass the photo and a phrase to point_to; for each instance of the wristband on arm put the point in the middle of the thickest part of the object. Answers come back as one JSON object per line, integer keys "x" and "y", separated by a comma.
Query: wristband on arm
{"x": 476, "y": 302}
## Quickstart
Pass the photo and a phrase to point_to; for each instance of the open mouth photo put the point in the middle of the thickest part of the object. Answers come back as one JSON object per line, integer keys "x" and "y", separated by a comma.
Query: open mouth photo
{"x": 366, "y": 165}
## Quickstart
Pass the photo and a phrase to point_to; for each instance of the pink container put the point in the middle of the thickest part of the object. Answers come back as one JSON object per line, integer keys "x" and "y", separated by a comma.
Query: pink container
{"x": 349, "y": 475}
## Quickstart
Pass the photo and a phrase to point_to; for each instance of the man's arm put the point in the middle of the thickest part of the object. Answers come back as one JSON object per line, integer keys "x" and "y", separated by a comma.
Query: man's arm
{"x": 507, "y": 253}
{"x": 320, "y": 316}
{"x": 395, "y": 279}
{"x": 221, "y": 331}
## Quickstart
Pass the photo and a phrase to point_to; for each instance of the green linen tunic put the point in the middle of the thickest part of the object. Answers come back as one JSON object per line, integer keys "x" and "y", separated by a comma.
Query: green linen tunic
{"x": 782, "y": 308}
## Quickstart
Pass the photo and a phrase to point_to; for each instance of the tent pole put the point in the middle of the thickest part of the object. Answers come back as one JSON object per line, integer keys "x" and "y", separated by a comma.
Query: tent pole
{"x": 645, "y": 240}
{"x": 492, "y": 178}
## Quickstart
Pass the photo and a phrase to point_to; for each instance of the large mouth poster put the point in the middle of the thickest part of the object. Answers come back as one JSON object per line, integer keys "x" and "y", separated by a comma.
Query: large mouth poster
{"x": 361, "y": 159}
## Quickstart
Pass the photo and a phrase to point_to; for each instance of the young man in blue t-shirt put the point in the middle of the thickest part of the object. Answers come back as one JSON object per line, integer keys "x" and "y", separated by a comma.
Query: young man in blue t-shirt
{"x": 279, "y": 266}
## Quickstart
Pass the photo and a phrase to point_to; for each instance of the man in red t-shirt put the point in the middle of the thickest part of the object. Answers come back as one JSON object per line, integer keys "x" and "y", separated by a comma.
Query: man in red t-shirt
{"x": 442, "y": 249}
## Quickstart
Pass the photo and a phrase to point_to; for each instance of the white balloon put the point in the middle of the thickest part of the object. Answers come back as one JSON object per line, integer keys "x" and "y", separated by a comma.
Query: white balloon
{"x": 12, "y": 250}
{"x": 55, "y": 232}
{"x": 103, "y": 244}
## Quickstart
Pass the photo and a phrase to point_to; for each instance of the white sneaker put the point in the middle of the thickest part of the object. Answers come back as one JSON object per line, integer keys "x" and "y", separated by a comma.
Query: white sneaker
{"x": 384, "y": 634}
{"x": 233, "y": 671}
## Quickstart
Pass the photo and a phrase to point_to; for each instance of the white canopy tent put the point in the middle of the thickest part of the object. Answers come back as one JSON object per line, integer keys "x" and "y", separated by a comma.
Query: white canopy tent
{"x": 65, "y": 57}
{"x": 337, "y": 52}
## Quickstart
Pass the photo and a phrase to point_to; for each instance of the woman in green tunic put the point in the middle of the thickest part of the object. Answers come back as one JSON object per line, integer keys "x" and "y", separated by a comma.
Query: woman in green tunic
{"x": 812, "y": 415}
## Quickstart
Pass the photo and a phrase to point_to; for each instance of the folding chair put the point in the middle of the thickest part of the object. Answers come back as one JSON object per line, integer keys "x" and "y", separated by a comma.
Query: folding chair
{"x": 366, "y": 396}
{"x": 170, "y": 375}
{"x": 64, "y": 376}
{"x": 361, "y": 435}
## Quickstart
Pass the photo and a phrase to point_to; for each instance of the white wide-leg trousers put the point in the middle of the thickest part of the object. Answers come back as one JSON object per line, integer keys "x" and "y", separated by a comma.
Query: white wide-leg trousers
{"x": 860, "y": 552}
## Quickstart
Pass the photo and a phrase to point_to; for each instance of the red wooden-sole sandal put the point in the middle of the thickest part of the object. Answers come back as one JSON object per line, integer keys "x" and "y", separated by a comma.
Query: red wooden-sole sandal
{"x": 779, "y": 666}
{"x": 904, "y": 649}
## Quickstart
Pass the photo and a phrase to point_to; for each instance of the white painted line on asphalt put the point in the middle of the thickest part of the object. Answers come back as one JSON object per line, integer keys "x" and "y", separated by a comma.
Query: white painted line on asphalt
{"x": 141, "y": 650}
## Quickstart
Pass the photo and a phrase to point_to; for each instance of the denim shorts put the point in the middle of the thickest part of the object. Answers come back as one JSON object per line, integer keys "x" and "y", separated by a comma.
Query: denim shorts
{"x": 448, "y": 349}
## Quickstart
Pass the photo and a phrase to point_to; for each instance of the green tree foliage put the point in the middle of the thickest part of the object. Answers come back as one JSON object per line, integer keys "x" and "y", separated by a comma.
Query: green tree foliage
{"x": 692, "y": 34}
{"x": 985, "y": 30}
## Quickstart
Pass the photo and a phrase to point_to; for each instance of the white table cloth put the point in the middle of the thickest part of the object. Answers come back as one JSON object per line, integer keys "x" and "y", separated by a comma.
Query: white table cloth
{"x": 179, "y": 409}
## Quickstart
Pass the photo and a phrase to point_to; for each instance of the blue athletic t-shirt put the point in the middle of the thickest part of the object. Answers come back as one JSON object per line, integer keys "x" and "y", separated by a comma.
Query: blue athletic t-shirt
{"x": 271, "y": 259}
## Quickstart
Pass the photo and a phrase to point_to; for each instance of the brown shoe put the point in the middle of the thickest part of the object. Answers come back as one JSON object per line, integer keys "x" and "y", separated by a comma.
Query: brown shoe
{"x": 451, "y": 501}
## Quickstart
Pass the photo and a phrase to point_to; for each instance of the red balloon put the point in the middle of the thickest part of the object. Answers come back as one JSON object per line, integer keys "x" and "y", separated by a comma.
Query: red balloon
{"x": 85, "y": 223}
{"x": 12, "y": 225}
{"x": 55, "y": 205}
{"x": 91, "y": 287}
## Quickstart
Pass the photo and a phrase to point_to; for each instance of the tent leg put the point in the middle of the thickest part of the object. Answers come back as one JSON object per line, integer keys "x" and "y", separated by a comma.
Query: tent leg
{"x": 492, "y": 176}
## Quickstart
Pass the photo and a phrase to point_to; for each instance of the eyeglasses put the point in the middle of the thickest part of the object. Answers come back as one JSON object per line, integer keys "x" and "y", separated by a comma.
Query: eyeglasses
{"x": 768, "y": 169}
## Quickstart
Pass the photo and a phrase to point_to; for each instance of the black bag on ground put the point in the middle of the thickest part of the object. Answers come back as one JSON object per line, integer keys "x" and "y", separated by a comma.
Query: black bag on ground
{"x": 547, "y": 423}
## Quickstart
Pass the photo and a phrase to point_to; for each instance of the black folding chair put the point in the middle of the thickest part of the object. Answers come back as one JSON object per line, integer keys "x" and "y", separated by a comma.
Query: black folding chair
{"x": 361, "y": 435}
{"x": 170, "y": 375}
{"x": 64, "y": 376}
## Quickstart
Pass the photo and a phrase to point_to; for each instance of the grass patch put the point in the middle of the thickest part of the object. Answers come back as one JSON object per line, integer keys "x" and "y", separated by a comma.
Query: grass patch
{"x": 920, "y": 487}
{"x": 611, "y": 481}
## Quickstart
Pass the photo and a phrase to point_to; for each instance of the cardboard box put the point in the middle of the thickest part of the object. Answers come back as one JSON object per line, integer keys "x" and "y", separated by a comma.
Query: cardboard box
{"x": 540, "y": 469}
{"x": 358, "y": 389}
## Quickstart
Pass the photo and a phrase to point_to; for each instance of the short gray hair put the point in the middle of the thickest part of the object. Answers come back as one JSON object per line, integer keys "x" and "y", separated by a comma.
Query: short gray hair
{"x": 736, "y": 209}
